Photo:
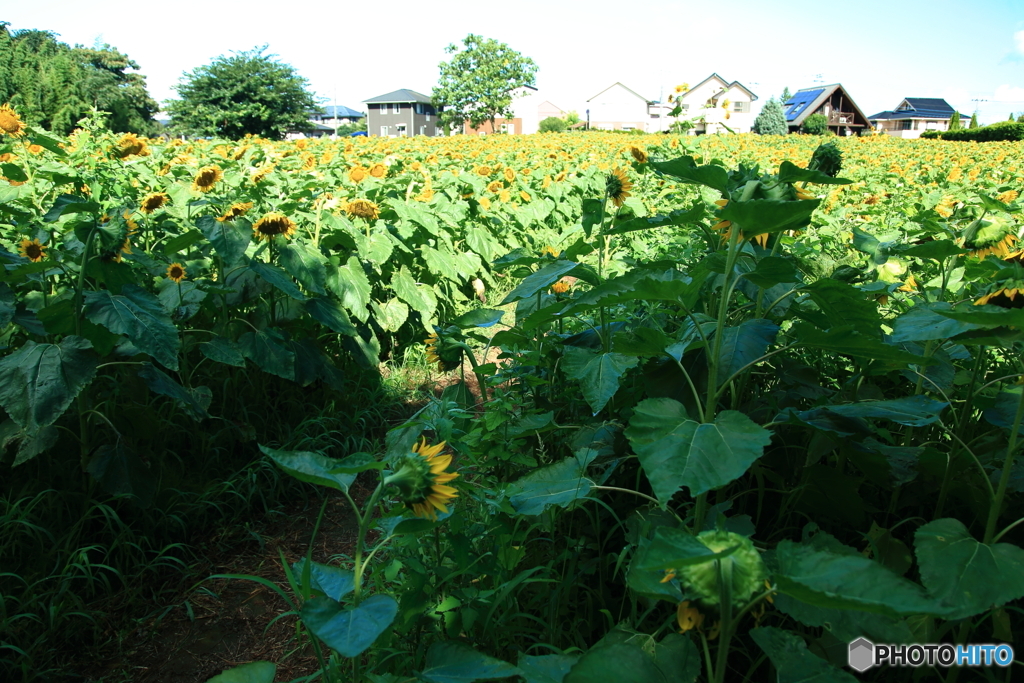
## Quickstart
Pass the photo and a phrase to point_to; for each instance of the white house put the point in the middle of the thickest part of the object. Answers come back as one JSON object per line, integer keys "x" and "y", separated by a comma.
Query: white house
{"x": 619, "y": 108}
{"x": 526, "y": 115}
{"x": 913, "y": 116}
{"x": 716, "y": 105}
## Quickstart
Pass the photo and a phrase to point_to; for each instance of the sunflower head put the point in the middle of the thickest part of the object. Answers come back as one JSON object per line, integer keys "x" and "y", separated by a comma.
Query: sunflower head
{"x": 153, "y": 201}
{"x": 421, "y": 480}
{"x": 744, "y": 569}
{"x": 617, "y": 186}
{"x": 357, "y": 174}
{"x": 990, "y": 236}
{"x": 639, "y": 154}
{"x": 10, "y": 123}
{"x": 362, "y": 208}
{"x": 176, "y": 272}
{"x": 207, "y": 177}
{"x": 234, "y": 211}
{"x": 130, "y": 145}
{"x": 495, "y": 186}
{"x": 563, "y": 285}
{"x": 272, "y": 225}
{"x": 444, "y": 347}
{"x": 378, "y": 170}
{"x": 510, "y": 174}
{"x": 32, "y": 250}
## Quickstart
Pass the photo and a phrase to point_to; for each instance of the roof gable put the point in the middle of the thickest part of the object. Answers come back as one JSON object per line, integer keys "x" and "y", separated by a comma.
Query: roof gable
{"x": 806, "y": 101}
{"x": 341, "y": 112}
{"x": 723, "y": 84}
{"x": 632, "y": 92}
{"x": 928, "y": 104}
{"x": 401, "y": 96}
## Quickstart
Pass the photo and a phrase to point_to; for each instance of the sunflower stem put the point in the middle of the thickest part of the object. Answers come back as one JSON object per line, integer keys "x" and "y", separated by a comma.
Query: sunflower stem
{"x": 1004, "y": 480}
{"x": 358, "y": 565}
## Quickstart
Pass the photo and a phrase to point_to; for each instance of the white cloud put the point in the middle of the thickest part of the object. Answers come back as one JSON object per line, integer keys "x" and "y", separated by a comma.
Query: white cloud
{"x": 1018, "y": 40}
{"x": 1009, "y": 93}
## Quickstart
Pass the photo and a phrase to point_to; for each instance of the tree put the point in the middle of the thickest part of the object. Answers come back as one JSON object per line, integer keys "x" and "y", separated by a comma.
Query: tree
{"x": 248, "y": 93}
{"x": 974, "y": 120}
{"x": 815, "y": 124}
{"x": 552, "y": 124}
{"x": 572, "y": 117}
{"x": 771, "y": 120}
{"x": 109, "y": 87}
{"x": 478, "y": 83}
{"x": 954, "y": 121}
{"x": 786, "y": 95}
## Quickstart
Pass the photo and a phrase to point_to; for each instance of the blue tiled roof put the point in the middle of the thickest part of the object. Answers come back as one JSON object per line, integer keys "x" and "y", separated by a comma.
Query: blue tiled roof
{"x": 800, "y": 101}
{"x": 342, "y": 112}
{"x": 930, "y": 104}
{"x": 912, "y": 114}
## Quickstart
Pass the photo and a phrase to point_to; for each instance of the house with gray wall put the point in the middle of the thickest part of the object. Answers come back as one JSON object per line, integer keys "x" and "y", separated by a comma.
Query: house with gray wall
{"x": 402, "y": 113}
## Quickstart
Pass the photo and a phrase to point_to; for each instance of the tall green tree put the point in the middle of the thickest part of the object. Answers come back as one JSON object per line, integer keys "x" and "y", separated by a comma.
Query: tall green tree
{"x": 954, "y": 121}
{"x": 771, "y": 120}
{"x": 109, "y": 86}
{"x": 786, "y": 95}
{"x": 478, "y": 83}
{"x": 974, "y": 120}
{"x": 245, "y": 93}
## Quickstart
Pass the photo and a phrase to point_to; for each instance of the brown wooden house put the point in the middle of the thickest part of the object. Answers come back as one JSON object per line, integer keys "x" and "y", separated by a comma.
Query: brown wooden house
{"x": 844, "y": 116}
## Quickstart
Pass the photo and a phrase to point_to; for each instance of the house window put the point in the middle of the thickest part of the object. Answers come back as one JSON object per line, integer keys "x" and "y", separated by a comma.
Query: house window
{"x": 428, "y": 115}
{"x": 400, "y": 128}
{"x": 905, "y": 124}
{"x": 423, "y": 130}
{"x": 396, "y": 108}
{"x": 508, "y": 128}
{"x": 685, "y": 107}
{"x": 739, "y": 106}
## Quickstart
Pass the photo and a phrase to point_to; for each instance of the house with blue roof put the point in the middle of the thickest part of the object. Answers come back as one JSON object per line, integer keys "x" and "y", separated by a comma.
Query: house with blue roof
{"x": 832, "y": 101}
{"x": 913, "y": 116}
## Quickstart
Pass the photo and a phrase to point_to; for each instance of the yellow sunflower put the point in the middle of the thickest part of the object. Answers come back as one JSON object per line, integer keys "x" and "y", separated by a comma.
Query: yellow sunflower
{"x": 153, "y": 201}
{"x": 272, "y": 225}
{"x": 362, "y": 208}
{"x": 32, "y": 250}
{"x": 618, "y": 186}
{"x": 10, "y": 122}
{"x": 378, "y": 170}
{"x": 1007, "y": 197}
{"x": 639, "y": 154}
{"x": 357, "y": 174}
{"x": 234, "y": 211}
{"x": 421, "y": 480}
{"x": 495, "y": 186}
{"x": 207, "y": 177}
{"x": 261, "y": 174}
{"x": 1004, "y": 297}
{"x": 176, "y": 272}
{"x": 510, "y": 175}
{"x": 130, "y": 145}
{"x": 562, "y": 286}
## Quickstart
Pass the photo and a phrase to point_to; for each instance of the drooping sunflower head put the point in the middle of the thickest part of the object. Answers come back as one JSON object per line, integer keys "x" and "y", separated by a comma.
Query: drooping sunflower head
{"x": 272, "y": 225}
{"x": 1004, "y": 296}
{"x": 130, "y": 145}
{"x": 990, "y": 236}
{"x": 617, "y": 186}
{"x": 234, "y": 211}
{"x": 639, "y": 154}
{"x": 32, "y": 250}
{"x": 510, "y": 174}
{"x": 444, "y": 349}
{"x": 176, "y": 272}
{"x": 744, "y": 569}
{"x": 10, "y": 123}
{"x": 362, "y": 208}
{"x": 260, "y": 174}
{"x": 421, "y": 480}
{"x": 207, "y": 177}
{"x": 153, "y": 201}
{"x": 495, "y": 186}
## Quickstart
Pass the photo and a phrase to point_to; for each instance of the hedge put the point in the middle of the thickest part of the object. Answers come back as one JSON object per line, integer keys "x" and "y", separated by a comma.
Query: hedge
{"x": 1004, "y": 130}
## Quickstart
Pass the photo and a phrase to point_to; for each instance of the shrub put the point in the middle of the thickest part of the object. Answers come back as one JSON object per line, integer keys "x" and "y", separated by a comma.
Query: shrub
{"x": 771, "y": 120}
{"x": 815, "y": 124}
{"x": 932, "y": 134}
{"x": 1004, "y": 130}
{"x": 552, "y": 124}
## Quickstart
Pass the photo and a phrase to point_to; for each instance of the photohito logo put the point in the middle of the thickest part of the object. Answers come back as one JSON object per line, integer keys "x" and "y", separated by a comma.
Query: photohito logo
{"x": 863, "y": 654}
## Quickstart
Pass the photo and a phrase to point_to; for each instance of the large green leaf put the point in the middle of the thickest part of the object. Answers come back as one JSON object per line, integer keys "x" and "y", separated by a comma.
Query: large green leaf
{"x": 253, "y": 672}
{"x": 616, "y": 663}
{"x": 8, "y": 305}
{"x": 673, "y": 548}
{"x": 545, "y": 668}
{"x": 230, "y": 239}
{"x": 140, "y": 316}
{"x": 969, "y": 576}
{"x": 420, "y": 298}
{"x": 479, "y": 317}
{"x": 334, "y": 582}
{"x": 390, "y": 314}
{"x": 306, "y": 264}
{"x": 667, "y": 284}
{"x": 598, "y": 373}
{"x": 540, "y": 280}
{"x": 677, "y": 658}
{"x": 687, "y": 170}
{"x": 844, "y": 304}
{"x": 986, "y": 316}
{"x": 350, "y": 284}
{"x": 450, "y": 661}
{"x": 1003, "y": 412}
{"x": 276, "y": 276}
{"x": 309, "y": 467}
{"x": 771, "y": 271}
{"x": 843, "y": 581}
{"x": 269, "y": 351}
{"x": 120, "y": 471}
{"x": 744, "y": 344}
{"x": 59, "y": 319}
{"x": 791, "y": 173}
{"x": 848, "y": 341}
{"x": 847, "y": 625}
{"x": 558, "y": 484}
{"x": 331, "y": 314}
{"x": 794, "y": 663}
{"x": 39, "y": 381}
{"x": 678, "y": 217}
{"x": 758, "y": 216}
{"x": 676, "y": 451}
{"x": 914, "y": 411}
{"x": 349, "y": 631}
{"x": 161, "y": 383}
{"x": 924, "y": 322}
{"x": 223, "y": 350}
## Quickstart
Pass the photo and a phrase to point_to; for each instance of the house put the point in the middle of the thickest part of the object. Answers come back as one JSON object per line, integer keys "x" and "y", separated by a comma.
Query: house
{"x": 546, "y": 110}
{"x": 525, "y": 115}
{"x": 314, "y": 130}
{"x": 337, "y": 115}
{"x": 913, "y": 116}
{"x": 619, "y": 108}
{"x": 400, "y": 114}
{"x": 716, "y": 105}
{"x": 843, "y": 114}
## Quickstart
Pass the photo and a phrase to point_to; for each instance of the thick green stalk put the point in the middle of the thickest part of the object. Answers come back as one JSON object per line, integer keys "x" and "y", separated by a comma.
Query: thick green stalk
{"x": 1004, "y": 480}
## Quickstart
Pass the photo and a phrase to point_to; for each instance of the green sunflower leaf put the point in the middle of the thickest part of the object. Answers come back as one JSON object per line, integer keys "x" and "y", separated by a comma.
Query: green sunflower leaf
{"x": 794, "y": 663}
{"x": 349, "y": 631}
{"x": 140, "y": 316}
{"x": 253, "y": 672}
{"x": 39, "y": 381}
{"x": 311, "y": 468}
{"x": 454, "y": 662}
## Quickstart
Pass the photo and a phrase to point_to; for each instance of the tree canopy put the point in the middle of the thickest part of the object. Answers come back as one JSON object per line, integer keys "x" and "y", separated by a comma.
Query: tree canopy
{"x": 245, "y": 93}
{"x": 771, "y": 120}
{"x": 815, "y": 124}
{"x": 478, "y": 83}
{"x": 53, "y": 85}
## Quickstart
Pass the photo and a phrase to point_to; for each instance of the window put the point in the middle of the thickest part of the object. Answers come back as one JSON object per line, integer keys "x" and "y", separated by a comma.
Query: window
{"x": 396, "y": 108}
{"x": 905, "y": 124}
{"x": 400, "y": 128}
{"x": 383, "y": 131}
{"x": 685, "y": 107}
{"x": 739, "y": 106}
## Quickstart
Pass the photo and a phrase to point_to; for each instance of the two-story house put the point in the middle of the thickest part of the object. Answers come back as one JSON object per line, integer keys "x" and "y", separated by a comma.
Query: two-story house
{"x": 401, "y": 113}
{"x": 716, "y": 105}
{"x": 832, "y": 101}
{"x": 619, "y": 108}
{"x": 913, "y": 116}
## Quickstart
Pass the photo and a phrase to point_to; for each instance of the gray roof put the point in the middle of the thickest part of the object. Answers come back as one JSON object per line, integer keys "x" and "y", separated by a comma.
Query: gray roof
{"x": 918, "y": 108}
{"x": 401, "y": 96}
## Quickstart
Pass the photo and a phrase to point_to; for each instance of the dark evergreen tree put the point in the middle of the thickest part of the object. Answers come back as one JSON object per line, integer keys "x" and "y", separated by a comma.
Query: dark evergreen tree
{"x": 248, "y": 93}
{"x": 771, "y": 120}
{"x": 974, "y": 120}
{"x": 786, "y": 95}
{"x": 954, "y": 121}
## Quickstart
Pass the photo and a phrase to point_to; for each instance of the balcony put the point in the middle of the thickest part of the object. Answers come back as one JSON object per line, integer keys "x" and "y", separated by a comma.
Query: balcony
{"x": 841, "y": 118}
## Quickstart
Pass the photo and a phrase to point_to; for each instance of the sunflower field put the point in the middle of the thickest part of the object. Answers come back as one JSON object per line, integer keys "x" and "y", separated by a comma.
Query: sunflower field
{"x": 709, "y": 409}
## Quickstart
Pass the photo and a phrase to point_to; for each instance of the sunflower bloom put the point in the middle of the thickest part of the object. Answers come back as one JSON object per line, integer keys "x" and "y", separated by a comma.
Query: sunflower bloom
{"x": 688, "y": 617}
{"x": 32, "y": 250}
{"x": 207, "y": 177}
{"x": 639, "y": 154}
{"x": 176, "y": 272}
{"x": 272, "y": 225}
{"x": 153, "y": 201}
{"x": 1007, "y": 197}
{"x": 358, "y": 174}
{"x": 510, "y": 175}
{"x": 618, "y": 186}
{"x": 130, "y": 145}
{"x": 261, "y": 174}
{"x": 10, "y": 122}
{"x": 362, "y": 208}
{"x": 562, "y": 286}
{"x": 1005, "y": 297}
{"x": 234, "y": 211}
{"x": 378, "y": 170}
{"x": 422, "y": 481}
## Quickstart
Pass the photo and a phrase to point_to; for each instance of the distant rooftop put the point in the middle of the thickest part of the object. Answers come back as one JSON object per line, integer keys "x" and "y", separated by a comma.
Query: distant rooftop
{"x": 400, "y": 96}
{"x": 341, "y": 112}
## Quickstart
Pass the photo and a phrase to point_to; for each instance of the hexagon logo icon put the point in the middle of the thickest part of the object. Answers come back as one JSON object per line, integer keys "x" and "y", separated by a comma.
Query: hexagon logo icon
{"x": 862, "y": 655}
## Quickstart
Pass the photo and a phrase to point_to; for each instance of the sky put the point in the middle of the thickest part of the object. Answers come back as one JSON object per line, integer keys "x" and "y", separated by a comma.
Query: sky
{"x": 971, "y": 54}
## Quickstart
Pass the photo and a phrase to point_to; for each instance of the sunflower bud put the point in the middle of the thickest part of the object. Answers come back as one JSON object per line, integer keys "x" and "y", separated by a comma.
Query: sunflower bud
{"x": 744, "y": 570}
